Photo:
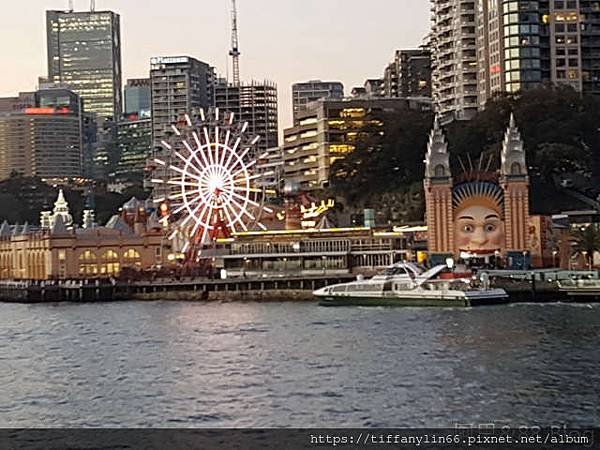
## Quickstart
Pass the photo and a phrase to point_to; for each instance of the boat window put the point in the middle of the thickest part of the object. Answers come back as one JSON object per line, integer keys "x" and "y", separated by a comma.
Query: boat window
{"x": 393, "y": 271}
{"x": 339, "y": 289}
{"x": 368, "y": 287}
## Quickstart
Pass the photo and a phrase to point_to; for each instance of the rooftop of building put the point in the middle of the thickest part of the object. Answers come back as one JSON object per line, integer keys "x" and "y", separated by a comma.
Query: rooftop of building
{"x": 81, "y": 13}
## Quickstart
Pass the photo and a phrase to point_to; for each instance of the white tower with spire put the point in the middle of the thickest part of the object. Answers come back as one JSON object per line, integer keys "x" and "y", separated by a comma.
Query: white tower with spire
{"x": 513, "y": 161}
{"x": 515, "y": 183}
{"x": 438, "y": 196}
{"x": 437, "y": 160}
{"x": 61, "y": 208}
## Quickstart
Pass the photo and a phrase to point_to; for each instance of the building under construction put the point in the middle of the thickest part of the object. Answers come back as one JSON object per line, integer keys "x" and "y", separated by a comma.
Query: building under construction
{"x": 255, "y": 103}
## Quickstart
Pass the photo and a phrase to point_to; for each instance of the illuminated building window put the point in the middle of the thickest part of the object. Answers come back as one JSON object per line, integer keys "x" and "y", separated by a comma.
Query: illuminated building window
{"x": 87, "y": 256}
{"x": 341, "y": 149}
{"x": 353, "y": 113}
{"x": 132, "y": 258}
{"x": 87, "y": 263}
{"x": 110, "y": 263}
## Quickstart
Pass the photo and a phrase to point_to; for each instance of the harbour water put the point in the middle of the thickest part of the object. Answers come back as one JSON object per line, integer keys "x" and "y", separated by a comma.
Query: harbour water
{"x": 175, "y": 364}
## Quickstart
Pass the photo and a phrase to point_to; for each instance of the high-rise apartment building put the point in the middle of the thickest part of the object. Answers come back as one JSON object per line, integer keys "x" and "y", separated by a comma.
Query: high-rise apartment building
{"x": 84, "y": 54}
{"x": 178, "y": 85}
{"x": 138, "y": 97}
{"x": 510, "y": 47}
{"x": 589, "y": 28}
{"x": 409, "y": 75}
{"x": 521, "y": 44}
{"x": 309, "y": 91}
{"x": 43, "y": 140}
{"x": 390, "y": 80}
{"x": 374, "y": 87}
{"x": 255, "y": 103}
{"x": 454, "y": 58}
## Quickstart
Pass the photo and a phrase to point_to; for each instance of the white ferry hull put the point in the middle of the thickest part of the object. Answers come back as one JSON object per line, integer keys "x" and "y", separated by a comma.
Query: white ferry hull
{"x": 415, "y": 298}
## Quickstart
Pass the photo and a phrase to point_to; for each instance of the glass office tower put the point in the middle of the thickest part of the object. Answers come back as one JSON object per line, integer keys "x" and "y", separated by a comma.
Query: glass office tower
{"x": 84, "y": 54}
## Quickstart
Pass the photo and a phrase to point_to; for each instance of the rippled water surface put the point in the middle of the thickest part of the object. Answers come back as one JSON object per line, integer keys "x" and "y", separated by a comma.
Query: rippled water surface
{"x": 294, "y": 364}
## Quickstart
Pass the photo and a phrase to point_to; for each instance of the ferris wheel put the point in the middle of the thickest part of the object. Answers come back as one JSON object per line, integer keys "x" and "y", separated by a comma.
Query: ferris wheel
{"x": 211, "y": 183}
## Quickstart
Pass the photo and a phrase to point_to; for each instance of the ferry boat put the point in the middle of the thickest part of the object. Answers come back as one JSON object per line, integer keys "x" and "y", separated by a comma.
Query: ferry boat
{"x": 407, "y": 284}
{"x": 583, "y": 289}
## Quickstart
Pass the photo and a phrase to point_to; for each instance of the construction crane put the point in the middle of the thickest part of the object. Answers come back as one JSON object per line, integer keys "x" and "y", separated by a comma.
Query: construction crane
{"x": 235, "y": 52}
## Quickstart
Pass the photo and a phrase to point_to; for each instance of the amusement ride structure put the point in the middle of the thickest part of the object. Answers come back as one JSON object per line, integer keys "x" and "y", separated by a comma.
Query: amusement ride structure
{"x": 211, "y": 184}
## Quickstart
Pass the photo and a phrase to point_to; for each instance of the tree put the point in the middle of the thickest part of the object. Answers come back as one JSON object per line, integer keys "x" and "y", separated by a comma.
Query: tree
{"x": 386, "y": 159}
{"x": 587, "y": 241}
{"x": 11, "y": 209}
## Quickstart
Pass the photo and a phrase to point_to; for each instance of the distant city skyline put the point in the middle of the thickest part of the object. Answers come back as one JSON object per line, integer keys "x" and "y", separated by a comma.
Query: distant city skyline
{"x": 283, "y": 41}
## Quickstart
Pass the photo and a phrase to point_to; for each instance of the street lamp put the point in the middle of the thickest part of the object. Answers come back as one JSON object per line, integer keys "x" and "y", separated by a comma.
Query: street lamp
{"x": 585, "y": 259}
{"x": 554, "y": 253}
{"x": 244, "y": 268}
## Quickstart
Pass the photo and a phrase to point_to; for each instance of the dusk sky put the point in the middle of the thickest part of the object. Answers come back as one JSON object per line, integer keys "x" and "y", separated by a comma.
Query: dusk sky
{"x": 282, "y": 40}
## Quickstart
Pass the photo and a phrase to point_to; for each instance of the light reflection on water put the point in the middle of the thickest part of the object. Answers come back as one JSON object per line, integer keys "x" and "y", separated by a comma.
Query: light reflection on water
{"x": 294, "y": 364}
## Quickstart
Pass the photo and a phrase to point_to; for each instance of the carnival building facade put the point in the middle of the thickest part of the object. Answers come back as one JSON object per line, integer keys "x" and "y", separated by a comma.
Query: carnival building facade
{"x": 479, "y": 213}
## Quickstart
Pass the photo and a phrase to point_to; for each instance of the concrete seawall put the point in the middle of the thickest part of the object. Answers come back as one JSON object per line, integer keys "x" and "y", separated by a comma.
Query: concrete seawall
{"x": 292, "y": 295}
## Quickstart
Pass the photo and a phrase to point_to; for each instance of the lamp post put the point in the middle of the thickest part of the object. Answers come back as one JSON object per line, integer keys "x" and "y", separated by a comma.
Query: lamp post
{"x": 244, "y": 268}
{"x": 585, "y": 259}
{"x": 554, "y": 253}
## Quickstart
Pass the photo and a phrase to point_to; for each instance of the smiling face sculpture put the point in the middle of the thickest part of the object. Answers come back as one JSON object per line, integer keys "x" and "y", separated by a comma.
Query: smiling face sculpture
{"x": 478, "y": 223}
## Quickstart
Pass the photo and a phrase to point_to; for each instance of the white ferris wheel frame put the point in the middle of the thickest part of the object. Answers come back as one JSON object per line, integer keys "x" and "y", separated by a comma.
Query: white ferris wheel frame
{"x": 214, "y": 177}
